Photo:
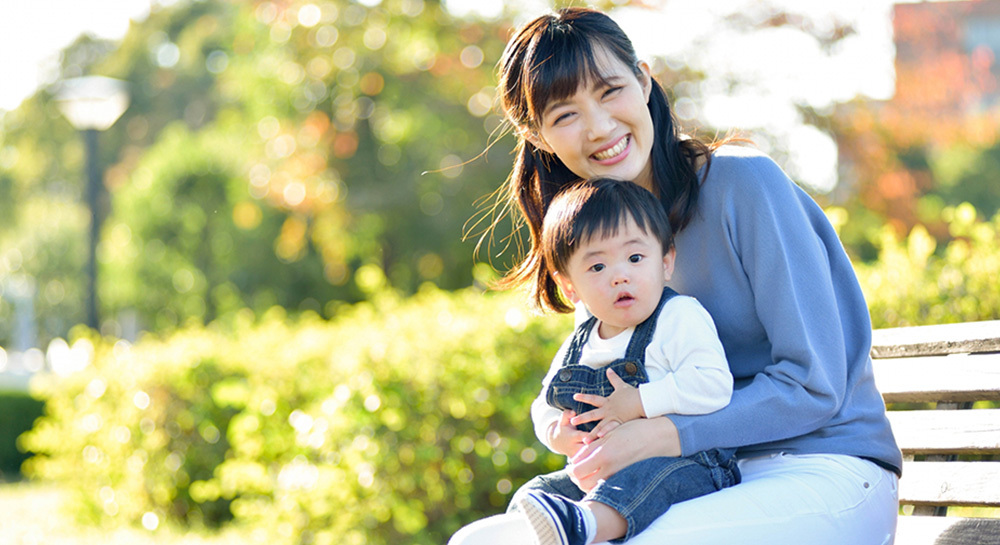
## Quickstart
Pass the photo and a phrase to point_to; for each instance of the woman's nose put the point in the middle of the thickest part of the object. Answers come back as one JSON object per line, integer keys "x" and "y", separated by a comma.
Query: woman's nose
{"x": 600, "y": 124}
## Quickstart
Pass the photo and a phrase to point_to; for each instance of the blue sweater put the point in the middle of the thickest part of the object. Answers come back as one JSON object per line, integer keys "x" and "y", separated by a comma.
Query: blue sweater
{"x": 764, "y": 260}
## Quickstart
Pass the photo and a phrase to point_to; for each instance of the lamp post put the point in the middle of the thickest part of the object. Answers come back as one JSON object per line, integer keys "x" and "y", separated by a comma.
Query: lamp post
{"x": 92, "y": 104}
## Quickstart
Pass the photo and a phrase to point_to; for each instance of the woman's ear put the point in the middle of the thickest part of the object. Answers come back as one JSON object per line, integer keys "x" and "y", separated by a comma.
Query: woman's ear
{"x": 566, "y": 286}
{"x": 533, "y": 138}
{"x": 645, "y": 79}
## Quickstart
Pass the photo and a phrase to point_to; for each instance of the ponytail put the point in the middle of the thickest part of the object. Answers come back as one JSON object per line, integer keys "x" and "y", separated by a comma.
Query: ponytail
{"x": 533, "y": 182}
{"x": 674, "y": 158}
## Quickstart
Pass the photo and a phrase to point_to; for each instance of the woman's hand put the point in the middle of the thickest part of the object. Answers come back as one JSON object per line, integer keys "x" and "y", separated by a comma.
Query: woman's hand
{"x": 626, "y": 444}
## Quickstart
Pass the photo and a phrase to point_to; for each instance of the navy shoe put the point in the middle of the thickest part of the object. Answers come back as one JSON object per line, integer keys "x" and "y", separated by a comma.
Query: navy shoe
{"x": 554, "y": 519}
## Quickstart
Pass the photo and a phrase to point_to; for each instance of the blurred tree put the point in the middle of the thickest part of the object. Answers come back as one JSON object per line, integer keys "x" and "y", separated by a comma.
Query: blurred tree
{"x": 43, "y": 223}
{"x": 271, "y": 150}
{"x": 291, "y": 153}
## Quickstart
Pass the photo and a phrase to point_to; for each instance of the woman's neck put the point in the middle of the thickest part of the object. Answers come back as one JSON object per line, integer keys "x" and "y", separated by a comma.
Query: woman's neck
{"x": 645, "y": 179}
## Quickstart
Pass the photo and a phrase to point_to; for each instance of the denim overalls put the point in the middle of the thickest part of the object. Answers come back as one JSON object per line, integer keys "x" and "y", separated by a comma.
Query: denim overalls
{"x": 646, "y": 489}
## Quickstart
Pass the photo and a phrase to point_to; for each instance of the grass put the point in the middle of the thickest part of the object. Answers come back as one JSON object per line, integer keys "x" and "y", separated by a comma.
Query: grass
{"x": 33, "y": 514}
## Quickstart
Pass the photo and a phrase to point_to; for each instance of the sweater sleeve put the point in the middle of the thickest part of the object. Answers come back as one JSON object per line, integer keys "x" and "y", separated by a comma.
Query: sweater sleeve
{"x": 782, "y": 243}
{"x": 543, "y": 414}
{"x": 687, "y": 346}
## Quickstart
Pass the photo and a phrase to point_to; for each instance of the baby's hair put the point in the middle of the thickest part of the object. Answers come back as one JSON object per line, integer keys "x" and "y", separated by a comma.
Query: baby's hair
{"x": 597, "y": 207}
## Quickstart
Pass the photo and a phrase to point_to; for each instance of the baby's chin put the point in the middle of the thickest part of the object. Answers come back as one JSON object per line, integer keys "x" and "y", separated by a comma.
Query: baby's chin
{"x": 614, "y": 327}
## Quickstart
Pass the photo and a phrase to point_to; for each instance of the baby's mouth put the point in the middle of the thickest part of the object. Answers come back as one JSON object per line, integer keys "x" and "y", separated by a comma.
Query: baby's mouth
{"x": 624, "y": 299}
{"x": 613, "y": 151}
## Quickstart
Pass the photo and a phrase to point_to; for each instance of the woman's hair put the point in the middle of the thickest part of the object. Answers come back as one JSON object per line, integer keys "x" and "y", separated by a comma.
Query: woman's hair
{"x": 597, "y": 207}
{"x": 547, "y": 60}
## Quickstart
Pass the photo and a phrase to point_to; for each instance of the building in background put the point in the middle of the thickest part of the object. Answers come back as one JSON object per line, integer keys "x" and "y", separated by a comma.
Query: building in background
{"x": 946, "y": 57}
{"x": 946, "y": 97}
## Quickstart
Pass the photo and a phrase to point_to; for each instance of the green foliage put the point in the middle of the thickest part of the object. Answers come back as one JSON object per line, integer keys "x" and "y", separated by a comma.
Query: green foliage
{"x": 915, "y": 282}
{"x": 396, "y": 422}
{"x": 177, "y": 246}
{"x": 966, "y": 173}
{"x": 49, "y": 255}
{"x": 18, "y": 412}
{"x": 289, "y": 136}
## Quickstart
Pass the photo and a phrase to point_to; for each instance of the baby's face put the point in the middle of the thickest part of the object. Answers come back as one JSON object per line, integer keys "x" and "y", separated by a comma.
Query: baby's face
{"x": 620, "y": 278}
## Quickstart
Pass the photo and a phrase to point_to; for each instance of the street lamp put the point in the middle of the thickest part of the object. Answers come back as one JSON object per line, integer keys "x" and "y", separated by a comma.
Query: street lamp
{"x": 92, "y": 104}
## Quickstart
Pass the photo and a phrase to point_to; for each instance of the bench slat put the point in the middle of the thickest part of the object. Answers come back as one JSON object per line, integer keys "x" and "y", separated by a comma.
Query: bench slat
{"x": 947, "y": 531}
{"x": 950, "y": 483}
{"x": 945, "y": 364}
{"x": 947, "y": 432}
{"x": 936, "y": 339}
{"x": 954, "y": 378}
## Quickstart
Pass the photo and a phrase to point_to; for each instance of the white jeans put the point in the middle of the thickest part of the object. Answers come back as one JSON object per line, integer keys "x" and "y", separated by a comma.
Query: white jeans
{"x": 822, "y": 499}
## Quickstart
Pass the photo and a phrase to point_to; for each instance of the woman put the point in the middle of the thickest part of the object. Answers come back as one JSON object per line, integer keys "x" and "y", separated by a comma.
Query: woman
{"x": 815, "y": 449}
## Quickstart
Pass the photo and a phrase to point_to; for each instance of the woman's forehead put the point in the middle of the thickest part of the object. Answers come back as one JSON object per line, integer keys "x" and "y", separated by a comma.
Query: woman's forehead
{"x": 608, "y": 64}
{"x": 605, "y": 67}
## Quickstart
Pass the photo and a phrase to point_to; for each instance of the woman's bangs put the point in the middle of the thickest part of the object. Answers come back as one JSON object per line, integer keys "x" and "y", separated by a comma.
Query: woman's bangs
{"x": 557, "y": 69}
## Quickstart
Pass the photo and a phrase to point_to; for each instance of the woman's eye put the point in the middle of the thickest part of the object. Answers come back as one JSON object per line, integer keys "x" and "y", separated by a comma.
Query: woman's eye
{"x": 611, "y": 91}
{"x": 561, "y": 118}
{"x": 635, "y": 258}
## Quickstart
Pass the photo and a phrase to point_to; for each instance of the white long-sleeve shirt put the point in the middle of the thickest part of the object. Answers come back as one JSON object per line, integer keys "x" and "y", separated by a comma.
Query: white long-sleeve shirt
{"x": 685, "y": 363}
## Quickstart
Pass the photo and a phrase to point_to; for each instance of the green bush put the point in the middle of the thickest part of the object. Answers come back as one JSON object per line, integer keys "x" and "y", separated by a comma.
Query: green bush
{"x": 914, "y": 282}
{"x": 18, "y": 411}
{"x": 396, "y": 422}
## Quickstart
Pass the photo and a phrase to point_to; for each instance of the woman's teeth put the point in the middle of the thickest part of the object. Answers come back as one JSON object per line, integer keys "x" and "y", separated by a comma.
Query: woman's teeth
{"x": 612, "y": 151}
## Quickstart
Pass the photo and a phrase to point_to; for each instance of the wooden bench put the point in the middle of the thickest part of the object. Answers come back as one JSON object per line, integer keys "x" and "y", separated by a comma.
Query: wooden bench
{"x": 931, "y": 378}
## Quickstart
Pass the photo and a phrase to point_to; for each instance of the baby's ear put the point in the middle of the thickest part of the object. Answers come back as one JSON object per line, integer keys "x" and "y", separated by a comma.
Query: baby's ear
{"x": 669, "y": 259}
{"x": 566, "y": 286}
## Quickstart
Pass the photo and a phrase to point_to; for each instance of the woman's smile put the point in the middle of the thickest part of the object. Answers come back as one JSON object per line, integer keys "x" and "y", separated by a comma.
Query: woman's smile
{"x": 614, "y": 153}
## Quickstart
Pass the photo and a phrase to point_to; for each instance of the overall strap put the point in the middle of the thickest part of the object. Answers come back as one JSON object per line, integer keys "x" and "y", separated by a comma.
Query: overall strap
{"x": 580, "y": 337}
{"x": 643, "y": 333}
{"x": 637, "y": 344}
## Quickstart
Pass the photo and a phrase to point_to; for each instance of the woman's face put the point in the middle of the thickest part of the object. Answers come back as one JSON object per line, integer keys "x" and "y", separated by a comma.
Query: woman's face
{"x": 605, "y": 129}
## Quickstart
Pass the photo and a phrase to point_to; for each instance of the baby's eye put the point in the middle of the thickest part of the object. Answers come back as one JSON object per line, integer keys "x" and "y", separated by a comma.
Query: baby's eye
{"x": 597, "y": 267}
{"x": 635, "y": 258}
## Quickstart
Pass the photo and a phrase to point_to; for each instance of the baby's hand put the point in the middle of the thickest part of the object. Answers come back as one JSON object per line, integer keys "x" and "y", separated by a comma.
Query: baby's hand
{"x": 622, "y": 405}
{"x": 564, "y": 437}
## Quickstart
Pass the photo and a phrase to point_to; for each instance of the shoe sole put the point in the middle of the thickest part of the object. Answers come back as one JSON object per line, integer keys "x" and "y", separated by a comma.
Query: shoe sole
{"x": 543, "y": 522}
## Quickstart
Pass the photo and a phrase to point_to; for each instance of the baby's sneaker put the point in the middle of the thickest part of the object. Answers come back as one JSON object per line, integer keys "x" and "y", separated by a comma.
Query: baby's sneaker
{"x": 555, "y": 520}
